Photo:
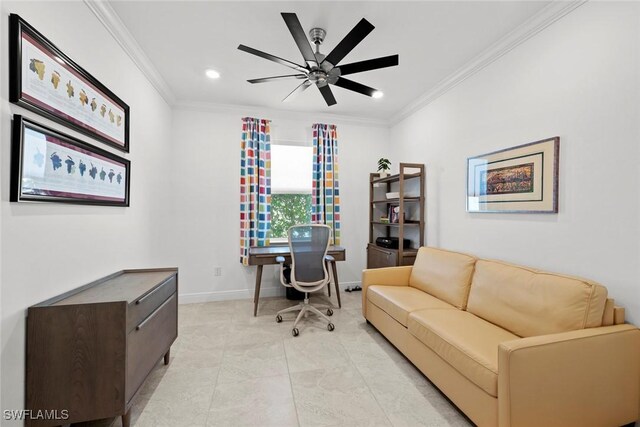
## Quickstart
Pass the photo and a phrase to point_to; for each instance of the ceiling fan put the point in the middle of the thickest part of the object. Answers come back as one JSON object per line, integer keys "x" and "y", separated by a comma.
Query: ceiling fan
{"x": 323, "y": 70}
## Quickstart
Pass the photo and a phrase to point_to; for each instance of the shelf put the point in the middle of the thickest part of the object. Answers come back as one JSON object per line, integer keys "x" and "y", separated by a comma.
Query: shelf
{"x": 406, "y": 199}
{"x": 411, "y": 224}
{"x": 395, "y": 178}
{"x": 407, "y": 251}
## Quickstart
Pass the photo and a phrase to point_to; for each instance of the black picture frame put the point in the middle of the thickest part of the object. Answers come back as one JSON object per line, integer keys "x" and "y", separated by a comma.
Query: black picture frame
{"x": 45, "y": 179}
{"x": 85, "y": 112}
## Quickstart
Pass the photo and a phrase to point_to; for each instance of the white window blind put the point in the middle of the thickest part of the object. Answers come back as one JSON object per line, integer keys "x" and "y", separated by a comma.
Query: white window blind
{"x": 291, "y": 168}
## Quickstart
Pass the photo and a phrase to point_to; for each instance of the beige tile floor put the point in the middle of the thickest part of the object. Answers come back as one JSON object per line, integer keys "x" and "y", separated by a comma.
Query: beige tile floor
{"x": 229, "y": 368}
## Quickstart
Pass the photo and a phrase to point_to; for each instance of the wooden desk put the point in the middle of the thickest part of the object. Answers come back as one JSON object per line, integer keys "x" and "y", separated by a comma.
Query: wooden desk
{"x": 266, "y": 255}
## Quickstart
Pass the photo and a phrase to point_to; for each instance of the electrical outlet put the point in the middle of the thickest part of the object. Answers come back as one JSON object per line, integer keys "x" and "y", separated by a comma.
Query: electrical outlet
{"x": 217, "y": 271}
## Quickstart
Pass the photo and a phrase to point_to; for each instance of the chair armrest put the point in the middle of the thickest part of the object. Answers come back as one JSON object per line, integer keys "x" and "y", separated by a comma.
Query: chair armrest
{"x": 588, "y": 377}
{"x": 280, "y": 260}
{"x": 390, "y": 276}
{"x": 329, "y": 258}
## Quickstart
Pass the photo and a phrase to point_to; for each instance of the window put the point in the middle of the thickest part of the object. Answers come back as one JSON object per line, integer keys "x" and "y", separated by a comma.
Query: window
{"x": 291, "y": 170}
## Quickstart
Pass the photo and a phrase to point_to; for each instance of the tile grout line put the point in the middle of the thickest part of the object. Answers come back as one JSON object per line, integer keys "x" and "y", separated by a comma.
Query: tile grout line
{"x": 293, "y": 394}
{"x": 366, "y": 383}
{"x": 215, "y": 385}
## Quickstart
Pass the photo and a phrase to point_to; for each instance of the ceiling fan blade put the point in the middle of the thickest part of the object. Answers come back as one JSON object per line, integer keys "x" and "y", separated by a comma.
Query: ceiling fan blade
{"x": 370, "y": 64}
{"x": 295, "y": 28}
{"x": 272, "y": 58}
{"x": 303, "y": 86}
{"x": 276, "y": 78}
{"x": 351, "y": 40}
{"x": 327, "y": 95}
{"x": 355, "y": 86}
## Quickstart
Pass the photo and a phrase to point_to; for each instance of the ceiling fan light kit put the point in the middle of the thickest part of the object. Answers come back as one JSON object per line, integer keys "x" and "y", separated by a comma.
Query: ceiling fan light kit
{"x": 324, "y": 70}
{"x": 212, "y": 74}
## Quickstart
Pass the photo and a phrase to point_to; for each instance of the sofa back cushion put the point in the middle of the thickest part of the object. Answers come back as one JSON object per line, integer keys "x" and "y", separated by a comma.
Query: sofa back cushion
{"x": 529, "y": 302}
{"x": 445, "y": 275}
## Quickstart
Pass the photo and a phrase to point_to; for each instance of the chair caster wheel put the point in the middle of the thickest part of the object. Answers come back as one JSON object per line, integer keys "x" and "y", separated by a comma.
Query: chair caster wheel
{"x": 330, "y": 327}
{"x": 278, "y": 318}
{"x": 295, "y": 332}
{"x": 329, "y": 312}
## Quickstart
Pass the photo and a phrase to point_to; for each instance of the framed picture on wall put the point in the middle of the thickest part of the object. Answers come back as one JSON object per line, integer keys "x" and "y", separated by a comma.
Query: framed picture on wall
{"x": 49, "y": 166}
{"x": 522, "y": 179}
{"x": 43, "y": 79}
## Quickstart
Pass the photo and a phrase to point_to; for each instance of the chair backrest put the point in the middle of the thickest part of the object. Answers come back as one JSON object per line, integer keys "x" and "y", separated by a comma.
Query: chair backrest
{"x": 308, "y": 245}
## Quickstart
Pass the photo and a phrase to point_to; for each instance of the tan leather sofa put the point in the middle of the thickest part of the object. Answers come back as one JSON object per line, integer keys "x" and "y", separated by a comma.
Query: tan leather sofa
{"x": 510, "y": 346}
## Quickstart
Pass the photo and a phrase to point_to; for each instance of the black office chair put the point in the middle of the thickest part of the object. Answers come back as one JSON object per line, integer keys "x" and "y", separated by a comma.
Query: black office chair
{"x": 308, "y": 245}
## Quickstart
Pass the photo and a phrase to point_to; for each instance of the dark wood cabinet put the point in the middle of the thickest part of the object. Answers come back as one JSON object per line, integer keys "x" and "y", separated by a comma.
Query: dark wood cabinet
{"x": 90, "y": 350}
{"x": 380, "y": 204}
{"x": 378, "y": 257}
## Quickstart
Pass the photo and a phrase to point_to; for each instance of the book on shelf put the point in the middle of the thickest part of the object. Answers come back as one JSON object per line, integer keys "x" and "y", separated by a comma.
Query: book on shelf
{"x": 394, "y": 214}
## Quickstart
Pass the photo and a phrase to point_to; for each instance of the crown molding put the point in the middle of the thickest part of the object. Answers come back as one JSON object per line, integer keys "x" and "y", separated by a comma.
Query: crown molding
{"x": 112, "y": 22}
{"x": 547, "y": 16}
{"x": 282, "y": 114}
{"x": 531, "y": 27}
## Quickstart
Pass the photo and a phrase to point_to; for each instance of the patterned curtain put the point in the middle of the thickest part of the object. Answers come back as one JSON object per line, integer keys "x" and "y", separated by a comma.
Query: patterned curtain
{"x": 325, "y": 195}
{"x": 255, "y": 185}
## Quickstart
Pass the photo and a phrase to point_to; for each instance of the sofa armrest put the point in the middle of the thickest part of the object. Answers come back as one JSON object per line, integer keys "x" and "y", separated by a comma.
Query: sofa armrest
{"x": 588, "y": 377}
{"x": 389, "y": 276}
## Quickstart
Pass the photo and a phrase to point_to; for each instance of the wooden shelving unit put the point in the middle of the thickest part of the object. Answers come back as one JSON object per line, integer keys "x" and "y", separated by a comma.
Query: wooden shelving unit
{"x": 377, "y": 256}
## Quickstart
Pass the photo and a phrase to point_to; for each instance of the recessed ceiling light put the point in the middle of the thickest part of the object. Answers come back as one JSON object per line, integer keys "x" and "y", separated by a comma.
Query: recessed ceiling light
{"x": 212, "y": 74}
{"x": 378, "y": 94}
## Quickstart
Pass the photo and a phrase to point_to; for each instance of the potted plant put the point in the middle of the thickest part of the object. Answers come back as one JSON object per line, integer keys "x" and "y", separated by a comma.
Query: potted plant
{"x": 384, "y": 166}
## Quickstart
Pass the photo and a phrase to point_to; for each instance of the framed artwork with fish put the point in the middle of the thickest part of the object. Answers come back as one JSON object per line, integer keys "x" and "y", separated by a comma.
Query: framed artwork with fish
{"x": 49, "y": 166}
{"x": 44, "y": 80}
{"x": 522, "y": 179}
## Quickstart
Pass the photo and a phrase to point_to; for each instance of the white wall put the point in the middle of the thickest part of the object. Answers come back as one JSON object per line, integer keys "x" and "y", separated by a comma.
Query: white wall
{"x": 206, "y": 210}
{"x": 48, "y": 249}
{"x": 578, "y": 79}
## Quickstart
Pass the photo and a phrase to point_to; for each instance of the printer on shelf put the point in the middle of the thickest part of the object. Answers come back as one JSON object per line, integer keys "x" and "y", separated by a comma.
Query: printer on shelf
{"x": 392, "y": 242}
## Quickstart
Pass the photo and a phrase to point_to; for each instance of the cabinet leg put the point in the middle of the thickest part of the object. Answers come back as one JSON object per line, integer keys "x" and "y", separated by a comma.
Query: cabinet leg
{"x": 166, "y": 356}
{"x": 126, "y": 418}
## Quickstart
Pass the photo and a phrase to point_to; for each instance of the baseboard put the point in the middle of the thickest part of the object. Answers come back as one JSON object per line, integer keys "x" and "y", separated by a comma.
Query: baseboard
{"x": 200, "y": 297}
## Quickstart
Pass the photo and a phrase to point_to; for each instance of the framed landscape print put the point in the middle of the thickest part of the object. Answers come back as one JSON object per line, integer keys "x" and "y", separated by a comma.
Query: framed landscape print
{"x": 519, "y": 179}
{"x": 43, "y": 79}
{"x": 49, "y": 166}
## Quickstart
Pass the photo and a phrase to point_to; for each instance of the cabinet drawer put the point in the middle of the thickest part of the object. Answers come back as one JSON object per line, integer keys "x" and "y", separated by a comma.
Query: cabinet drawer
{"x": 146, "y": 304}
{"x": 149, "y": 341}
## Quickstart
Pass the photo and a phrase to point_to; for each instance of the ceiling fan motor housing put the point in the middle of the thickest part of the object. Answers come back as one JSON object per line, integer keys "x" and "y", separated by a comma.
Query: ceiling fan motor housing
{"x": 317, "y": 35}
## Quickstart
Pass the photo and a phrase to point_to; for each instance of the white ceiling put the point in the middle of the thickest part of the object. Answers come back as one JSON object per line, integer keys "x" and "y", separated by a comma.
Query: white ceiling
{"x": 433, "y": 39}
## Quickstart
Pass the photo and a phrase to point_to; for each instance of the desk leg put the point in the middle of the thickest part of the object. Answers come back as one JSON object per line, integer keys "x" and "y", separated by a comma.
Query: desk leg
{"x": 256, "y": 296}
{"x": 126, "y": 418}
{"x": 335, "y": 279}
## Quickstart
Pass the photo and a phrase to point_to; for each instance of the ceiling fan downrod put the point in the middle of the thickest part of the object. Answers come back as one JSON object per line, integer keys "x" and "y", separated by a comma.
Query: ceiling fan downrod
{"x": 317, "y": 36}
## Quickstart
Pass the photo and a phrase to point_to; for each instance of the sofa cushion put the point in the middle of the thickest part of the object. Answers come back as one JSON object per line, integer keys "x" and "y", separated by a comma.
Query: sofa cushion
{"x": 399, "y": 301}
{"x": 529, "y": 302}
{"x": 443, "y": 274}
{"x": 466, "y": 342}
